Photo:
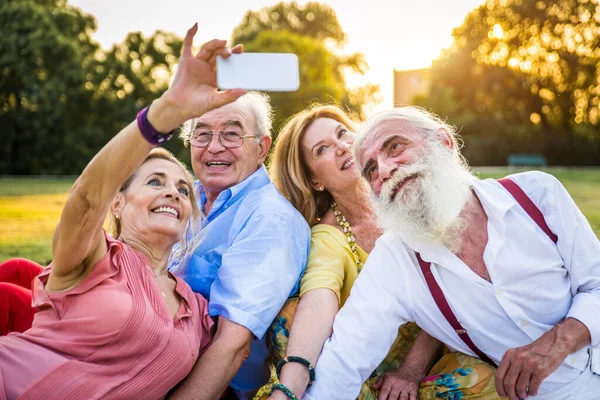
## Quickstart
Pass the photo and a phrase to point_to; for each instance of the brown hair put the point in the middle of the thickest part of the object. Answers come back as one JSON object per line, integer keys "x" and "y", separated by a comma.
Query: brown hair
{"x": 289, "y": 170}
{"x": 188, "y": 241}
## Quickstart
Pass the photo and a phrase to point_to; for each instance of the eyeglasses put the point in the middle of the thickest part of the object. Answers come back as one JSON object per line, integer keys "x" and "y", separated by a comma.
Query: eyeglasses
{"x": 229, "y": 139}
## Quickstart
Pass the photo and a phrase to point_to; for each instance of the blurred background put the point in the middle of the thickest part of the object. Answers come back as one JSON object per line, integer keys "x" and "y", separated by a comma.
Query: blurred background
{"x": 520, "y": 79}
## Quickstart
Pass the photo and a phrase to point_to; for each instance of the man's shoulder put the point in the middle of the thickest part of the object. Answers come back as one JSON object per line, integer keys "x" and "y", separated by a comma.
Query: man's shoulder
{"x": 532, "y": 180}
{"x": 267, "y": 200}
{"x": 538, "y": 186}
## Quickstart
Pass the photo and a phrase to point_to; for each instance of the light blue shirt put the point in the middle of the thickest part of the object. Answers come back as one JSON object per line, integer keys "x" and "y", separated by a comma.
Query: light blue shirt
{"x": 253, "y": 251}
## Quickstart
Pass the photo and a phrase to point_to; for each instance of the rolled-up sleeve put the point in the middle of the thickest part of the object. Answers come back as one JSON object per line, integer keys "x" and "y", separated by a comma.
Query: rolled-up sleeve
{"x": 259, "y": 271}
{"x": 364, "y": 329}
{"x": 577, "y": 244}
{"x": 580, "y": 250}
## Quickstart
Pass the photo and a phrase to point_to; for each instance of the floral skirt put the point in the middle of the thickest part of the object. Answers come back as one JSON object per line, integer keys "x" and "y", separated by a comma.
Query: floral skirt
{"x": 455, "y": 376}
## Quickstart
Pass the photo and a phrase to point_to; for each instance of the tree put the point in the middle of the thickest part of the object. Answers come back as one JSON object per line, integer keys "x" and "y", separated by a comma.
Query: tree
{"x": 43, "y": 45}
{"x": 314, "y": 34}
{"x": 529, "y": 69}
{"x": 61, "y": 96}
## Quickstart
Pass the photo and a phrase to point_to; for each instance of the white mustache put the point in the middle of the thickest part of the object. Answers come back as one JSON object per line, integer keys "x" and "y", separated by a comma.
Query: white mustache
{"x": 388, "y": 187}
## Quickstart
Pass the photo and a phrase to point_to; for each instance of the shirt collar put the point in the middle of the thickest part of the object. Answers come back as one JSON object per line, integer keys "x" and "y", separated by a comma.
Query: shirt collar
{"x": 257, "y": 180}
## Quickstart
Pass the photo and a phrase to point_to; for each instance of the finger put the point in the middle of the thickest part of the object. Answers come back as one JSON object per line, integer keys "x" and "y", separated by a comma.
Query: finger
{"x": 522, "y": 383}
{"x": 378, "y": 383}
{"x": 405, "y": 396}
{"x": 223, "y": 52}
{"x": 210, "y": 47}
{"x": 534, "y": 384}
{"x": 186, "y": 50}
{"x": 237, "y": 49}
{"x": 227, "y": 96}
{"x": 385, "y": 390}
{"x": 501, "y": 374}
{"x": 510, "y": 382}
{"x": 394, "y": 393}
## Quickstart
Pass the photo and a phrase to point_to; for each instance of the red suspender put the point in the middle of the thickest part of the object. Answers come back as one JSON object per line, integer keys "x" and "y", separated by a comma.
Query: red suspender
{"x": 437, "y": 293}
{"x": 530, "y": 208}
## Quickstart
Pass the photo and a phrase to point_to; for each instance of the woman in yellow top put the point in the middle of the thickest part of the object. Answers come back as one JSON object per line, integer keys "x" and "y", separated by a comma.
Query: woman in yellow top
{"x": 312, "y": 166}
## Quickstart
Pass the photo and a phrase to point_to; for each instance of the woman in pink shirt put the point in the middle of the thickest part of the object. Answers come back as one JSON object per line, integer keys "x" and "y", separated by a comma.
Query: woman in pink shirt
{"x": 112, "y": 322}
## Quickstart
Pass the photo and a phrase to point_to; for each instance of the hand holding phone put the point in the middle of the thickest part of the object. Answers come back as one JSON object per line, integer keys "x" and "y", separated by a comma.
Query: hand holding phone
{"x": 275, "y": 72}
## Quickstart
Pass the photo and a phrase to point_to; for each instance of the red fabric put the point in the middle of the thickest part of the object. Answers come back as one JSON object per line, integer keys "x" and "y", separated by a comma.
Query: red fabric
{"x": 16, "y": 313}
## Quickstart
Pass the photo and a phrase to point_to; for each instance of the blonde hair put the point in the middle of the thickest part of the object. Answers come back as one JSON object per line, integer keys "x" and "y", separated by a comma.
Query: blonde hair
{"x": 190, "y": 239}
{"x": 288, "y": 168}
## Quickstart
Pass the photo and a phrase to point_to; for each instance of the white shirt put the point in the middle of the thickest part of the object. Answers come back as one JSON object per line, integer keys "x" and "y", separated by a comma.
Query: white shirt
{"x": 535, "y": 284}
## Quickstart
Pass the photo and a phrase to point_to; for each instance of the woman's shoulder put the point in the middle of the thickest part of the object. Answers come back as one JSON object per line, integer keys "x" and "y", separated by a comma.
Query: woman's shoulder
{"x": 329, "y": 234}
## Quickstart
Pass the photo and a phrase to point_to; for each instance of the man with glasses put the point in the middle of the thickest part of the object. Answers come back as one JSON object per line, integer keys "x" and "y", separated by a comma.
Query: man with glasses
{"x": 253, "y": 246}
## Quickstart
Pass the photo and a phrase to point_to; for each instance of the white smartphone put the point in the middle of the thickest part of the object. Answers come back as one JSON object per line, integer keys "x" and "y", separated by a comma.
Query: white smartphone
{"x": 275, "y": 72}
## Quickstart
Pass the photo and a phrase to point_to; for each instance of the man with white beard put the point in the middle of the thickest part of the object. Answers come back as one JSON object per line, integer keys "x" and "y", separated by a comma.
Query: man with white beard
{"x": 507, "y": 270}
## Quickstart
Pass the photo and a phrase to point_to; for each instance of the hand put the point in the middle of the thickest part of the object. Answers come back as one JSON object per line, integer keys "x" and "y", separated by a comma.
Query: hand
{"x": 523, "y": 369}
{"x": 402, "y": 384}
{"x": 193, "y": 91}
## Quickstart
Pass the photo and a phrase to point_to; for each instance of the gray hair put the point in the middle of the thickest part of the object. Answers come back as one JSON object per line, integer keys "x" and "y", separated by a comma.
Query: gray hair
{"x": 257, "y": 102}
{"x": 408, "y": 119}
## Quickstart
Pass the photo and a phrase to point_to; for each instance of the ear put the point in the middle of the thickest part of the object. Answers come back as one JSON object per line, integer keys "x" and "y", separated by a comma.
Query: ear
{"x": 317, "y": 186}
{"x": 117, "y": 204}
{"x": 446, "y": 138}
{"x": 264, "y": 146}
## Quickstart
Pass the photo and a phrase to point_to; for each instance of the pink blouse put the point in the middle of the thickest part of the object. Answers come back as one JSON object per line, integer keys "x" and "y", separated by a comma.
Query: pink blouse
{"x": 111, "y": 337}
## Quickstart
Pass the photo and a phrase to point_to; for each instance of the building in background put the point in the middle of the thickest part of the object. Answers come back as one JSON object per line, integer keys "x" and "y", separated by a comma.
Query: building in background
{"x": 408, "y": 84}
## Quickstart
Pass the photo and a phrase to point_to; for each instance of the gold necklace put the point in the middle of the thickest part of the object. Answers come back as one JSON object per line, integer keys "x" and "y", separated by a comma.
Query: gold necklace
{"x": 341, "y": 220}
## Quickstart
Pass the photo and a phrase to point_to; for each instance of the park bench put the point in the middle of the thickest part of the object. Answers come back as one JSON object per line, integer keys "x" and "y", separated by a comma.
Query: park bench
{"x": 523, "y": 160}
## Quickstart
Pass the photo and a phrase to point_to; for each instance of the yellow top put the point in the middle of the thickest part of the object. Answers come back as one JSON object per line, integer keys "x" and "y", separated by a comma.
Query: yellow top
{"x": 331, "y": 263}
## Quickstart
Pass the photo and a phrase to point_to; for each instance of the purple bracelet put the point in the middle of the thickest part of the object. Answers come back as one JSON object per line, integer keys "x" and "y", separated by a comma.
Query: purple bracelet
{"x": 148, "y": 131}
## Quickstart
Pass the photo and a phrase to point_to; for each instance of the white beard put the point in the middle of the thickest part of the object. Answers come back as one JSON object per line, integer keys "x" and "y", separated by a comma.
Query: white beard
{"x": 427, "y": 208}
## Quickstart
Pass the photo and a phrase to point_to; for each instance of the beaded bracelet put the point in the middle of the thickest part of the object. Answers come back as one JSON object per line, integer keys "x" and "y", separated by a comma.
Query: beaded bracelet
{"x": 303, "y": 361}
{"x": 284, "y": 389}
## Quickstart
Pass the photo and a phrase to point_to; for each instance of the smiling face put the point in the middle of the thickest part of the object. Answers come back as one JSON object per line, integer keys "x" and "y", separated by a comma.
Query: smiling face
{"x": 419, "y": 185}
{"x": 218, "y": 167}
{"x": 388, "y": 151}
{"x": 326, "y": 150}
{"x": 157, "y": 201}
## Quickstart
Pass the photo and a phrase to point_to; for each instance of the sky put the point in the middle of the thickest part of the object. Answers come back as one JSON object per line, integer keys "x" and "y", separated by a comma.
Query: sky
{"x": 393, "y": 34}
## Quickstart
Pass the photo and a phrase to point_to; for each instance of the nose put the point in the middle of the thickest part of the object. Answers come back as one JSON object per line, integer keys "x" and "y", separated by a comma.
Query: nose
{"x": 215, "y": 146}
{"x": 171, "y": 192}
{"x": 342, "y": 148}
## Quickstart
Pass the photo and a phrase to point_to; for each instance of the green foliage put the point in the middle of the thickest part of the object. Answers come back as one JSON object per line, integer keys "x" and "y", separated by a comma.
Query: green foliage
{"x": 43, "y": 45}
{"x": 315, "y": 20}
{"x": 314, "y": 34}
{"x": 524, "y": 73}
{"x": 61, "y": 97}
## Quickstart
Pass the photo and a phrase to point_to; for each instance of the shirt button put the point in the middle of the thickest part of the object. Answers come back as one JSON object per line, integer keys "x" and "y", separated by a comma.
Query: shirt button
{"x": 523, "y": 323}
{"x": 574, "y": 360}
{"x": 498, "y": 292}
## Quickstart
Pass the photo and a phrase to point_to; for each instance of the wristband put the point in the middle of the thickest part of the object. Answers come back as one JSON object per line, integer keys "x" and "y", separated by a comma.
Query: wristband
{"x": 284, "y": 389}
{"x": 148, "y": 131}
{"x": 303, "y": 361}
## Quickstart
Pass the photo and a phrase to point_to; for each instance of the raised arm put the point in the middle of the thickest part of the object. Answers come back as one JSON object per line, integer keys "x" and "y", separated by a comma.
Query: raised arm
{"x": 78, "y": 241}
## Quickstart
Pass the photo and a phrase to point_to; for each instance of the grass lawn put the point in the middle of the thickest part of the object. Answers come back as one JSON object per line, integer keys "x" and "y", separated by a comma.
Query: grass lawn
{"x": 31, "y": 207}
